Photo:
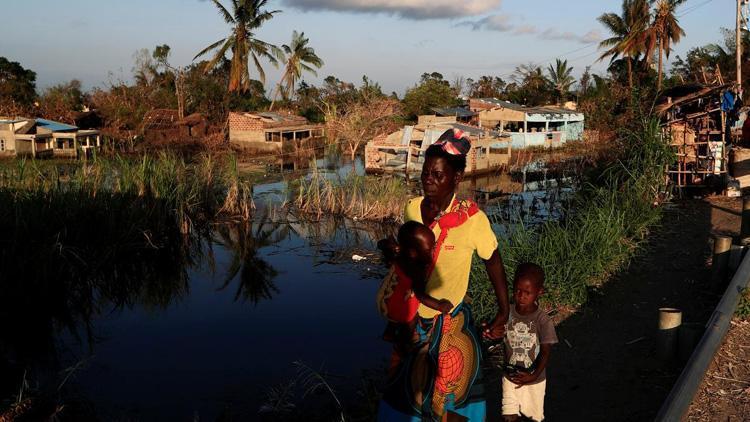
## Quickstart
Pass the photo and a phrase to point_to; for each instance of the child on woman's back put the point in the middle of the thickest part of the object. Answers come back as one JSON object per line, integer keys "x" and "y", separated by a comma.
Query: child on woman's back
{"x": 412, "y": 268}
{"x": 530, "y": 335}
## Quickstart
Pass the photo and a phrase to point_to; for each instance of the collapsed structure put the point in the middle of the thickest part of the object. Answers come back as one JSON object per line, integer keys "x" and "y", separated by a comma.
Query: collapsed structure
{"x": 495, "y": 127}
{"x": 404, "y": 150}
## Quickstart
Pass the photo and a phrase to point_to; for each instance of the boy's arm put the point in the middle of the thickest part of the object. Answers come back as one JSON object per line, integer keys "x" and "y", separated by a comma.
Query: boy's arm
{"x": 442, "y": 305}
{"x": 540, "y": 363}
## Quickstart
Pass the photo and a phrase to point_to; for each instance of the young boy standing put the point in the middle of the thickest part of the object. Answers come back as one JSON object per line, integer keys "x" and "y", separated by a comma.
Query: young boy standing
{"x": 530, "y": 335}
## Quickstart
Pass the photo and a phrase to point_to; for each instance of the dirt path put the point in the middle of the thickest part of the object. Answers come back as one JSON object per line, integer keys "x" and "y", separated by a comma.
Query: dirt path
{"x": 605, "y": 366}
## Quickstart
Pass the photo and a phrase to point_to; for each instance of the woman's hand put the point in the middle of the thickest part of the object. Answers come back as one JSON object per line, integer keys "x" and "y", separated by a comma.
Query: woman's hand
{"x": 496, "y": 329}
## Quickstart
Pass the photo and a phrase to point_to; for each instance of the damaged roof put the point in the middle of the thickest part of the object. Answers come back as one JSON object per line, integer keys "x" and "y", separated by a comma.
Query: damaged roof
{"x": 454, "y": 111}
{"x": 527, "y": 110}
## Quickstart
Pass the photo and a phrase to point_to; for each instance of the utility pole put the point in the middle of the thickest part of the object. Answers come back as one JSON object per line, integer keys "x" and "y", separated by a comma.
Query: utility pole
{"x": 738, "y": 41}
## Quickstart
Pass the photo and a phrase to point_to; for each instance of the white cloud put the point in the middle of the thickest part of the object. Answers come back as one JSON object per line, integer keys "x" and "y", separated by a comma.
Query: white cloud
{"x": 525, "y": 29}
{"x": 411, "y": 9}
{"x": 553, "y": 34}
{"x": 592, "y": 36}
{"x": 500, "y": 23}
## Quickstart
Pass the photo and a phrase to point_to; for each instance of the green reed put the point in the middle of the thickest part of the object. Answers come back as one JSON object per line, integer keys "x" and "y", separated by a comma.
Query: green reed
{"x": 609, "y": 217}
{"x": 360, "y": 197}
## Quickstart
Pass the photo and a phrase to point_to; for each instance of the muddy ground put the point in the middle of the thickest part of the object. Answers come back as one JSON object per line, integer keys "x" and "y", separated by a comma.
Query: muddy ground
{"x": 605, "y": 366}
{"x": 724, "y": 394}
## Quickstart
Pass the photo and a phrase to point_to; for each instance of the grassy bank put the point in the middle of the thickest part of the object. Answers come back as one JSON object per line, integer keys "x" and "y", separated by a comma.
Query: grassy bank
{"x": 609, "y": 217}
{"x": 361, "y": 197}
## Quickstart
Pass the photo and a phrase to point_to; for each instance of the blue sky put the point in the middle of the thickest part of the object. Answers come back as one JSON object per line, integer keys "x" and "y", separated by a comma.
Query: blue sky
{"x": 391, "y": 41}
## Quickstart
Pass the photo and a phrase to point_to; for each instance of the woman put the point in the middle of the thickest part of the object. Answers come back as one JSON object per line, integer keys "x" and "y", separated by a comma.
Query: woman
{"x": 441, "y": 375}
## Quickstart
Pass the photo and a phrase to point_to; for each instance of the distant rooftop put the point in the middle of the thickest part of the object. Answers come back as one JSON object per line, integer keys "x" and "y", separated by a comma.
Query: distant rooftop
{"x": 530, "y": 110}
{"x": 454, "y": 111}
{"x": 55, "y": 126}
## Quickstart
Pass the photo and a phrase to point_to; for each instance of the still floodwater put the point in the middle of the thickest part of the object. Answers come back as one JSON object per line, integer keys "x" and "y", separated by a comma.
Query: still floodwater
{"x": 289, "y": 292}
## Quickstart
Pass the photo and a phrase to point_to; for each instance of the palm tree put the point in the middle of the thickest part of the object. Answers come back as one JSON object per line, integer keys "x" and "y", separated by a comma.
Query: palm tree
{"x": 560, "y": 78}
{"x": 629, "y": 33}
{"x": 246, "y": 17}
{"x": 298, "y": 56}
{"x": 665, "y": 30}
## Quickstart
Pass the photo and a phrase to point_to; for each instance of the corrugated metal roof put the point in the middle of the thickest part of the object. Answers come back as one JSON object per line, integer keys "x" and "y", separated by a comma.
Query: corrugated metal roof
{"x": 454, "y": 111}
{"x": 55, "y": 126}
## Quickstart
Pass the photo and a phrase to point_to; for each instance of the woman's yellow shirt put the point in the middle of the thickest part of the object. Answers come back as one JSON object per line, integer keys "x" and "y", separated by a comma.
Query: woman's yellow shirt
{"x": 450, "y": 278}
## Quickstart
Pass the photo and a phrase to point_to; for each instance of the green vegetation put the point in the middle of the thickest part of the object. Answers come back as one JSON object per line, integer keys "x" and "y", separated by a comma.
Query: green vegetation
{"x": 609, "y": 217}
{"x": 246, "y": 18}
{"x": 359, "y": 197}
{"x": 298, "y": 56}
{"x": 743, "y": 308}
{"x": 432, "y": 91}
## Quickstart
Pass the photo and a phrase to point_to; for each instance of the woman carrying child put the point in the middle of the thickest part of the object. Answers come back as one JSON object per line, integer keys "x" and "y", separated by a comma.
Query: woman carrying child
{"x": 440, "y": 376}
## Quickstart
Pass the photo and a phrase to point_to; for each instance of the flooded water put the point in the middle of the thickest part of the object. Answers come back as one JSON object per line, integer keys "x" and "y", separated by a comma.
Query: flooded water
{"x": 258, "y": 298}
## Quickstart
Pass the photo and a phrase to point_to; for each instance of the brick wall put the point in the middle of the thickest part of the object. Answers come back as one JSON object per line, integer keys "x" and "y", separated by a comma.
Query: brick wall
{"x": 241, "y": 123}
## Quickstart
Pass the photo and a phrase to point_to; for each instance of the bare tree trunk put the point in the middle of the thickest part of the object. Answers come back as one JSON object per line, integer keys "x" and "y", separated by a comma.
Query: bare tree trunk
{"x": 180, "y": 88}
{"x": 275, "y": 95}
{"x": 658, "y": 81}
{"x": 630, "y": 72}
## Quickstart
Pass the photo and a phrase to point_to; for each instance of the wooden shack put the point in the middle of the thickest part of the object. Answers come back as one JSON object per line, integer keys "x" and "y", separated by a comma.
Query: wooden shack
{"x": 693, "y": 121}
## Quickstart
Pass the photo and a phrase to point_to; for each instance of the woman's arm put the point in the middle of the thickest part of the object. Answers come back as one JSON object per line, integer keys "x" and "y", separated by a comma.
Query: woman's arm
{"x": 496, "y": 272}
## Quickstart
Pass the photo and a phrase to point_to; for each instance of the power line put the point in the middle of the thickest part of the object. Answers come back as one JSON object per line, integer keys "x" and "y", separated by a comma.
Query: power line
{"x": 693, "y": 8}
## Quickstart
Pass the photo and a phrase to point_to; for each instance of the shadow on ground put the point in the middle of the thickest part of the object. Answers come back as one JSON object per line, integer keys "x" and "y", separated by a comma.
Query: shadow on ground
{"x": 605, "y": 366}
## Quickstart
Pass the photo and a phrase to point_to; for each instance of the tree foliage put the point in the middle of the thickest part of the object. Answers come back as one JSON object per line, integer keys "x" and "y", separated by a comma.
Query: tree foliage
{"x": 432, "y": 91}
{"x": 61, "y": 101}
{"x": 298, "y": 56}
{"x": 246, "y": 18}
{"x": 17, "y": 84}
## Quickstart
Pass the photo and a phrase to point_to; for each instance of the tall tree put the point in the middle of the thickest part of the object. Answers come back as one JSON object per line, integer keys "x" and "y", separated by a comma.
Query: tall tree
{"x": 298, "y": 56}
{"x": 432, "y": 91}
{"x": 17, "y": 85}
{"x": 161, "y": 55}
{"x": 629, "y": 33}
{"x": 665, "y": 30}
{"x": 561, "y": 79}
{"x": 487, "y": 87}
{"x": 246, "y": 18}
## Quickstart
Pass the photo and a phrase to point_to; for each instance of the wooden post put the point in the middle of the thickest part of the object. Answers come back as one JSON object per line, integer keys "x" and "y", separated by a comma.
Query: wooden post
{"x": 720, "y": 262}
{"x": 738, "y": 43}
{"x": 670, "y": 320}
{"x": 408, "y": 160}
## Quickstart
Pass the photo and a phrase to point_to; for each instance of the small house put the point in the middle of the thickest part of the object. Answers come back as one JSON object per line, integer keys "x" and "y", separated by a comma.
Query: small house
{"x": 546, "y": 126}
{"x": 268, "y": 131}
{"x": 45, "y": 138}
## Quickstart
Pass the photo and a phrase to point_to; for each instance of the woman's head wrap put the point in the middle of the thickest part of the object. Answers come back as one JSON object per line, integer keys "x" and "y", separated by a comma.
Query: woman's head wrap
{"x": 454, "y": 142}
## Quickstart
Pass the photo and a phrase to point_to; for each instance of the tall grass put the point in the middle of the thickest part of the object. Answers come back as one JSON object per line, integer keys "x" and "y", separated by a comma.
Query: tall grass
{"x": 203, "y": 189}
{"x": 360, "y": 197}
{"x": 607, "y": 220}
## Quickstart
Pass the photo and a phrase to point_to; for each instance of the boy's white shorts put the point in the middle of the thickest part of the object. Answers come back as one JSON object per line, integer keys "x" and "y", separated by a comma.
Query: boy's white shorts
{"x": 527, "y": 400}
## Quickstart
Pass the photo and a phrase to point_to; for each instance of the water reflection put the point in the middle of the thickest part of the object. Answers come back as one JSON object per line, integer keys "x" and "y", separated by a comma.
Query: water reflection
{"x": 253, "y": 273}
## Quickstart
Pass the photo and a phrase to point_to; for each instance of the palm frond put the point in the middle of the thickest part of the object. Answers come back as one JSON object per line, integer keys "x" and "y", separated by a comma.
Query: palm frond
{"x": 224, "y": 13}
{"x": 209, "y": 48}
